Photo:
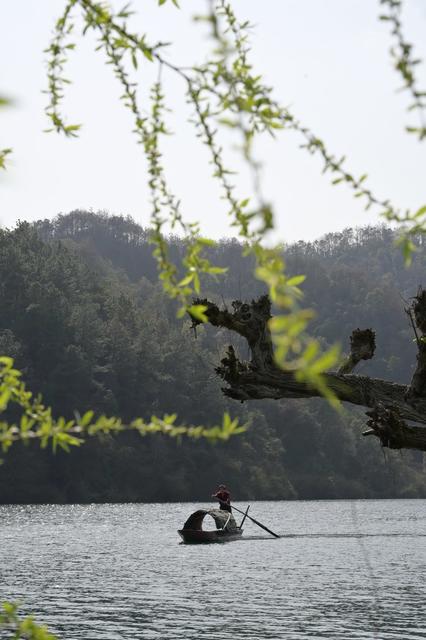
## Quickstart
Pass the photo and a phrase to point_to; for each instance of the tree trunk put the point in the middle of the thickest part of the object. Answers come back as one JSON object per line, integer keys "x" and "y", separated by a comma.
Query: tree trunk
{"x": 391, "y": 405}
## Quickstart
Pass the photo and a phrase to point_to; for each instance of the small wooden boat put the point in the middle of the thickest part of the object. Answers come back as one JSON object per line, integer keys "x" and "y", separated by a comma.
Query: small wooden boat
{"x": 226, "y": 527}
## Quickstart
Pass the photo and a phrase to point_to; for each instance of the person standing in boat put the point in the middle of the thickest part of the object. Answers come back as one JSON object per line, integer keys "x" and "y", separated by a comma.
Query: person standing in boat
{"x": 224, "y": 497}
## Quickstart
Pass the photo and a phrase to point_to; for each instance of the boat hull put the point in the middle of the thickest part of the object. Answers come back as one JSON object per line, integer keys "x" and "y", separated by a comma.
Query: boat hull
{"x": 193, "y": 536}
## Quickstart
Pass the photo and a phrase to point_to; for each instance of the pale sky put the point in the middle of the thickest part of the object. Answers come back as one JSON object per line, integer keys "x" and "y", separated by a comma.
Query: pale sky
{"x": 326, "y": 59}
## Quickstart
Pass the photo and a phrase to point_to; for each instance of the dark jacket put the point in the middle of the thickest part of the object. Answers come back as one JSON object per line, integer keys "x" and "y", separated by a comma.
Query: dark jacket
{"x": 225, "y": 499}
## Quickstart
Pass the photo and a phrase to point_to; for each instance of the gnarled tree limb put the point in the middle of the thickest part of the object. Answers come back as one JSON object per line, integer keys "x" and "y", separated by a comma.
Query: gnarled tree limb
{"x": 417, "y": 388}
{"x": 391, "y": 404}
{"x": 363, "y": 345}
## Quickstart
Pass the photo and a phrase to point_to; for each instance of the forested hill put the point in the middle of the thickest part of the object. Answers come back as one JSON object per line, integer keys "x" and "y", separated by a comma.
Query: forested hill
{"x": 83, "y": 315}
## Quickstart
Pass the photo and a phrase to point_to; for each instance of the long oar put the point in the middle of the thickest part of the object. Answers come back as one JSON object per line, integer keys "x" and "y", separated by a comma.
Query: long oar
{"x": 259, "y": 524}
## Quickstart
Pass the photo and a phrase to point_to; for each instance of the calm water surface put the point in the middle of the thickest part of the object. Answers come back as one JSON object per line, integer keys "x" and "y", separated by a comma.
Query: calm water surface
{"x": 343, "y": 569}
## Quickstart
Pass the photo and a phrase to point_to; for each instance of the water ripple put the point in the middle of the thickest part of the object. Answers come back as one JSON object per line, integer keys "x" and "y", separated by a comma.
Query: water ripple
{"x": 341, "y": 570}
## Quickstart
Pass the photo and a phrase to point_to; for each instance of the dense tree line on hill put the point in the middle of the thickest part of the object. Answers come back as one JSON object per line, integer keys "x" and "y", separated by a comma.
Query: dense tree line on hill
{"x": 83, "y": 315}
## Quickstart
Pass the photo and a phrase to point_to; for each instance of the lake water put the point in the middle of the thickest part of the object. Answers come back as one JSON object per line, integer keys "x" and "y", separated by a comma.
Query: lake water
{"x": 343, "y": 569}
